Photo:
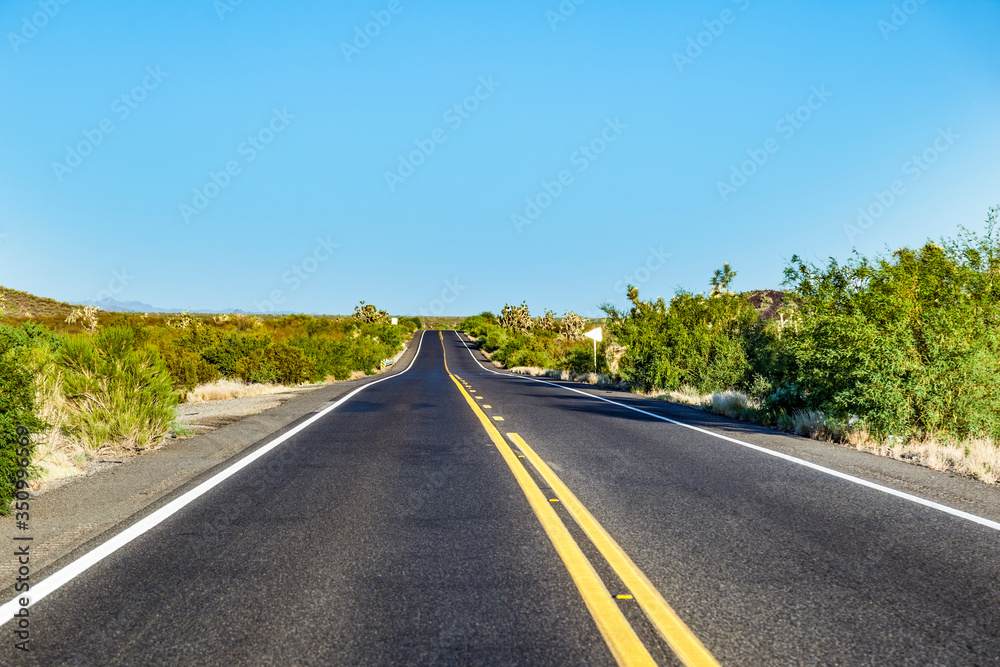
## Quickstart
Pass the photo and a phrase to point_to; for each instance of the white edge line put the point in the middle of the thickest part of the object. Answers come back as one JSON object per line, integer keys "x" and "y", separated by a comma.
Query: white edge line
{"x": 63, "y": 576}
{"x": 787, "y": 457}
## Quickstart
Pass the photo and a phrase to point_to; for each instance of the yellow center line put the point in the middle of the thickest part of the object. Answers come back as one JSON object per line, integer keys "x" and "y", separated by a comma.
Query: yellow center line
{"x": 621, "y": 639}
{"x": 684, "y": 643}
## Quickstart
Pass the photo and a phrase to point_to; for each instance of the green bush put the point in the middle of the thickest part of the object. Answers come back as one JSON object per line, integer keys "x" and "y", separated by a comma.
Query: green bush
{"x": 240, "y": 355}
{"x": 909, "y": 343}
{"x": 17, "y": 409}
{"x": 697, "y": 340}
{"x": 411, "y": 323}
{"x": 580, "y": 359}
{"x": 329, "y": 357}
{"x": 291, "y": 365}
{"x": 529, "y": 358}
{"x": 188, "y": 369}
{"x": 118, "y": 390}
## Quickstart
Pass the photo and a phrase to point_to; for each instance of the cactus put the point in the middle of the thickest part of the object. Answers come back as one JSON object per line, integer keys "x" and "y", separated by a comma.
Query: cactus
{"x": 516, "y": 319}
{"x": 572, "y": 326}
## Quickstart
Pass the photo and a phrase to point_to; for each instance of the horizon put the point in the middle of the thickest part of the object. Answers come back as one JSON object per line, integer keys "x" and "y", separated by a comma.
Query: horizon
{"x": 231, "y": 156}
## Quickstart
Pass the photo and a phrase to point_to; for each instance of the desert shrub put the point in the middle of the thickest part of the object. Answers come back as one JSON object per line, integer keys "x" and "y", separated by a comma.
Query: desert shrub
{"x": 118, "y": 391}
{"x": 328, "y": 357}
{"x": 291, "y": 365}
{"x": 17, "y": 409}
{"x": 909, "y": 343}
{"x": 477, "y": 324}
{"x": 255, "y": 367}
{"x": 410, "y": 323}
{"x": 493, "y": 338}
{"x": 239, "y": 355}
{"x": 188, "y": 369}
{"x": 580, "y": 359}
{"x": 697, "y": 339}
{"x": 525, "y": 357}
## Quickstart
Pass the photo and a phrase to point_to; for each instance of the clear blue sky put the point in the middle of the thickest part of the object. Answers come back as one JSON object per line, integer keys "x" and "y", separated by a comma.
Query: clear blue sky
{"x": 199, "y": 80}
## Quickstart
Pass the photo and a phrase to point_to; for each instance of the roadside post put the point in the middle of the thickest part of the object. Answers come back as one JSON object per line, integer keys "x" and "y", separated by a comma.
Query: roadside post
{"x": 595, "y": 335}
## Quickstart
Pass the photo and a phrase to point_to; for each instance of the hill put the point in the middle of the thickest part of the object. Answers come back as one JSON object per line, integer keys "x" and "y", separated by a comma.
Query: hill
{"x": 14, "y": 303}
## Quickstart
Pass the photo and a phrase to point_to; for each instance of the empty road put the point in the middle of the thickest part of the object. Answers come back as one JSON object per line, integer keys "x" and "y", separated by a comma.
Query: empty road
{"x": 452, "y": 514}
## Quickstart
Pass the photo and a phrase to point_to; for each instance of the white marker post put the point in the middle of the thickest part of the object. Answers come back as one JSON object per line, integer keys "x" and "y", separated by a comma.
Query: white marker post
{"x": 595, "y": 335}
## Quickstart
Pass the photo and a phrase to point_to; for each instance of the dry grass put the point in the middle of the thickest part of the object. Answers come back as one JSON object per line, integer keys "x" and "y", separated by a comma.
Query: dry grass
{"x": 686, "y": 395}
{"x": 814, "y": 424}
{"x": 974, "y": 457}
{"x": 596, "y": 379}
{"x": 57, "y": 455}
{"x": 732, "y": 403}
{"x": 222, "y": 390}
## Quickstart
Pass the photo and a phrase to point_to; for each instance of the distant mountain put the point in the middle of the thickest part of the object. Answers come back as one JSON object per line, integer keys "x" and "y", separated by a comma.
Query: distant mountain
{"x": 115, "y": 306}
{"x": 14, "y": 303}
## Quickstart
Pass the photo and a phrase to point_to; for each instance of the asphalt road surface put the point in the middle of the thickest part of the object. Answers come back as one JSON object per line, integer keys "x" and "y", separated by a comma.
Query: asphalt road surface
{"x": 454, "y": 515}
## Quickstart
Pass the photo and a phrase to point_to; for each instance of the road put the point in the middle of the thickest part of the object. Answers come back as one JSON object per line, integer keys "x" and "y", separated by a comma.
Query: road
{"x": 451, "y": 514}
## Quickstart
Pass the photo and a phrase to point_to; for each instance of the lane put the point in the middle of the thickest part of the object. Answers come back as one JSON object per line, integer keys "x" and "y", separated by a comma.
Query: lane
{"x": 390, "y": 531}
{"x": 767, "y": 561}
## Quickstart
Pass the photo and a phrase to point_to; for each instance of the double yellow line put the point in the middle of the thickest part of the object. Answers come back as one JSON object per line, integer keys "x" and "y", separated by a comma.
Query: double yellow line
{"x": 619, "y": 635}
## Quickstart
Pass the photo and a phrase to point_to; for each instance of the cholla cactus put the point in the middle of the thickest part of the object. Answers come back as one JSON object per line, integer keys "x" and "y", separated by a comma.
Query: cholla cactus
{"x": 369, "y": 314}
{"x": 86, "y": 316}
{"x": 222, "y": 318}
{"x": 515, "y": 318}
{"x": 184, "y": 321}
{"x": 572, "y": 326}
{"x": 788, "y": 315}
{"x": 548, "y": 322}
{"x": 613, "y": 353}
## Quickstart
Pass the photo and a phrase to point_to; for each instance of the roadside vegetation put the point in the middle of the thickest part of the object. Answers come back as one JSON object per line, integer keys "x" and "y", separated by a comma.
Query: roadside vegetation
{"x": 516, "y": 340}
{"x": 88, "y": 383}
{"x": 897, "y": 354}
